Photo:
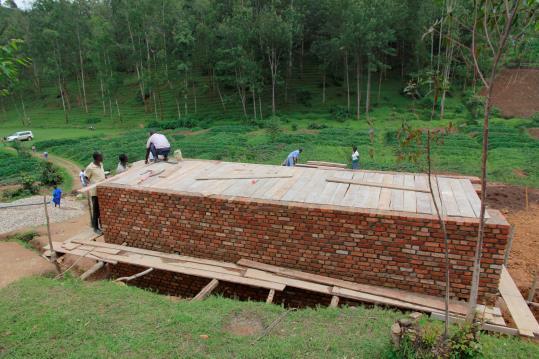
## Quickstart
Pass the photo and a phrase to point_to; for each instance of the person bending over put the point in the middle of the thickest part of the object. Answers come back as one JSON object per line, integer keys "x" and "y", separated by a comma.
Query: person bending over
{"x": 157, "y": 145}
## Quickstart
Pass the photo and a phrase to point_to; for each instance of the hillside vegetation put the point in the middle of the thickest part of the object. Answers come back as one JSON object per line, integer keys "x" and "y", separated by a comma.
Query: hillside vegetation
{"x": 74, "y": 319}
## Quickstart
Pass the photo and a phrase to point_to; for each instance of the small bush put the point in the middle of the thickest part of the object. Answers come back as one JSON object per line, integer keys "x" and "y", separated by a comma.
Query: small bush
{"x": 340, "y": 113}
{"x": 50, "y": 175}
{"x": 474, "y": 104}
{"x": 316, "y": 126}
{"x": 184, "y": 122}
{"x": 294, "y": 127}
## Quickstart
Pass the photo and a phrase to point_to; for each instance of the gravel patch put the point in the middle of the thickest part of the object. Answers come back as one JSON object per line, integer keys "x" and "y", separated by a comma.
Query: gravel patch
{"x": 31, "y": 216}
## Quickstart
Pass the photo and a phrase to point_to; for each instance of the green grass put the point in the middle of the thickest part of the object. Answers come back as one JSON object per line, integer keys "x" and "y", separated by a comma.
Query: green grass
{"x": 229, "y": 136}
{"x": 73, "y": 319}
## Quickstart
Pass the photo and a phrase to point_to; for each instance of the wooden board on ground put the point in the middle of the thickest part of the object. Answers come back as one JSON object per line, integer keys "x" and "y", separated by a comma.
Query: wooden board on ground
{"x": 326, "y": 164}
{"x": 520, "y": 312}
{"x": 423, "y": 300}
{"x": 206, "y": 290}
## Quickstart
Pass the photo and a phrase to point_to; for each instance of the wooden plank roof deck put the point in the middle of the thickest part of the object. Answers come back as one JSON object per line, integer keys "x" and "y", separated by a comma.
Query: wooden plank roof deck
{"x": 309, "y": 185}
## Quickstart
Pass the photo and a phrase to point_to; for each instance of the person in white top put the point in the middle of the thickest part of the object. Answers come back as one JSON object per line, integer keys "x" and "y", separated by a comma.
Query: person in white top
{"x": 157, "y": 145}
{"x": 355, "y": 158}
{"x": 123, "y": 164}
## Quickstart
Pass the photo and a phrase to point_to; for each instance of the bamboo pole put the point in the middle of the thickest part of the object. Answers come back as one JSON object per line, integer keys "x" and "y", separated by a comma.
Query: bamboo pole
{"x": 53, "y": 253}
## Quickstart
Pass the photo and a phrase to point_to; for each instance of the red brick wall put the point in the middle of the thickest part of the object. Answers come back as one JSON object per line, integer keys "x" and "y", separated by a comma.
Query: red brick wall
{"x": 396, "y": 250}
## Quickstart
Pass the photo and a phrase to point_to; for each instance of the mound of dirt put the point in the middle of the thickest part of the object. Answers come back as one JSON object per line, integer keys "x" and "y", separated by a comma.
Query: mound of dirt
{"x": 244, "y": 324}
{"x": 516, "y": 92}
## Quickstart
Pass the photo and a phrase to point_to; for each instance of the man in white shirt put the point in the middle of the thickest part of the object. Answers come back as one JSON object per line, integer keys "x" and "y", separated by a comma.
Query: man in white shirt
{"x": 355, "y": 158}
{"x": 157, "y": 145}
{"x": 95, "y": 173}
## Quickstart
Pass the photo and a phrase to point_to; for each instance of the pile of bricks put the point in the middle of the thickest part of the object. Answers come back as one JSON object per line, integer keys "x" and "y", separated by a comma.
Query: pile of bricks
{"x": 383, "y": 248}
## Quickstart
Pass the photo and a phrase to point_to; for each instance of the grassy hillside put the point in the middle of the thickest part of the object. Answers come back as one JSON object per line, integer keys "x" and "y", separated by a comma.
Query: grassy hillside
{"x": 77, "y": 320}
{"x": 322, "y": 130}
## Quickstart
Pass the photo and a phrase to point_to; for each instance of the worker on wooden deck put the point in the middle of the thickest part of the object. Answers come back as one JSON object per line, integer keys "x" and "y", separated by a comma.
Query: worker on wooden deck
{"x": 123, "y": 164}
{"x": 355, "y": 158}
{"x": 95, "y": 173}
{"x": 157, "y": 145}
{"x": 292, "y": 158}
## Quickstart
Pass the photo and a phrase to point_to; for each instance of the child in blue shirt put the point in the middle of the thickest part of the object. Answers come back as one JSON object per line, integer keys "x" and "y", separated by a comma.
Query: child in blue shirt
{"x": 56, "y": 196}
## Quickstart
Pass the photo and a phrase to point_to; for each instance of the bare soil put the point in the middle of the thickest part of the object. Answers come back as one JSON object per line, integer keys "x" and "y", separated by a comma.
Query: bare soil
{"x": 515, "y": 92}
{"x": 244, "y": 324}
{"x": 18, "y": 262}
{"x": 523, "y": 259}
{"x": 534, "y": 132}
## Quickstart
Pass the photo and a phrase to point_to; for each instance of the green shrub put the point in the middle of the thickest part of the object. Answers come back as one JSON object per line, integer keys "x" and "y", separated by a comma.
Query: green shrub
{"x": 316, "y": 126}
{"x": 50, "y": 175}
{"x": 92, "y": 120}
{"x": 474, "y": 104}
{"x": 184, "y": 122}
{"x": 340, "y": 113}
{"x": 294, "y": 127}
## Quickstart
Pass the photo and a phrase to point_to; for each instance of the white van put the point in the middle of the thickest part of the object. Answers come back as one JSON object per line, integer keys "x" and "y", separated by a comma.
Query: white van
{"x": 20, "y": 136}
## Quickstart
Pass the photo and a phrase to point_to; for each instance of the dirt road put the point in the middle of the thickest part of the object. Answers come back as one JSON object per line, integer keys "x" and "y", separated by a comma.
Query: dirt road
{"x": 68, "y": 165}
{"x": 18, "y": 262}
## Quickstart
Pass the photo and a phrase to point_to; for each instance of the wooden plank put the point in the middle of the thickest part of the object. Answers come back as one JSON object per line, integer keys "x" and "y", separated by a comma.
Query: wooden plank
{"x": 334, "y": 302}
{"x": 253, "y": 176}
{"x": 423, "y": 200}
{"x": 371, "y": 184}
{"x": 351, "y": 196}
{"x": 424, "y": 300}
{"x": 271, "y": 294}
{"x": 327, "y": 164}
{"x": 385, "y": 194}
{"x": 169, "y": 171}
{"x": 410, "y": 197}
{"x": 330, "y": 188}
{"x": 520, "y": 312}
{"x": 397, "y": 195}
{"x": 437, "y": 198}
{"x": 204, "y": 292}
{"x": 485, "y": 326}
{"x": 368, "y": 196}
{"x": 159, "y": 254}
{"x": 290, "y": 282}
{"x": 312, "y": 189}
{"x": 284, "y": 185}
{"x": 370, "y": 298}
{"x": 448, "y": 198}
{"x": 464, "y": 205}
{"x": 292, "y": 192}
{"x": 341, "y": 190}
{"x": 473, "y": 198}
{"x": 217, "y": 273}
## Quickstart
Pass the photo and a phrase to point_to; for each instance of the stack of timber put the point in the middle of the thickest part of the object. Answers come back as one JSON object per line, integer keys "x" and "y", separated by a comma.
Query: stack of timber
{"x": 256, "y": 274}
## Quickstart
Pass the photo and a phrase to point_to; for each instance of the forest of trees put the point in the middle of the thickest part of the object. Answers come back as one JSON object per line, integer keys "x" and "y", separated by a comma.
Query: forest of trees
{"x": 242, "y": 48}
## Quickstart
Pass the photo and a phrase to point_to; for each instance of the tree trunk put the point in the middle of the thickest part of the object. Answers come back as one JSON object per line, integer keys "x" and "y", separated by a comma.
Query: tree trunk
{"x": 347, "y": 81}
{"x": 254, "y": 102}
{"x": 63, "y": 100}
{"x": 324, "y": 88}
{"x": 25, "y": 117}
{"x": 260, "y": 107}
{"x": 358, "y": 91}
{"x": 118, "y": 109}
{"x": 103, "y": 95}
{"x": 379, "y": 87}
{"x": 178, "y": 107}
{"x": 368, "y": 95}
{"x": 82, "y": 77}
{"x": 154, "y": 105}
{"x": 195, "y": 96}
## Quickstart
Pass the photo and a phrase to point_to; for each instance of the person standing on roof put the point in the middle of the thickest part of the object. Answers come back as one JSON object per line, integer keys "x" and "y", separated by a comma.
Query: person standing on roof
{"x": 355, "y": 158}
{"x": 95, "y": 173}
{"x": 292, "y": 158}
{"x": 157, "y": 145}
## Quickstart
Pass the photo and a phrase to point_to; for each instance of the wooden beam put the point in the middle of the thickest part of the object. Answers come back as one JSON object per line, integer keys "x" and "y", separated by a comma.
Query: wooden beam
{"x": 533, "y": 288}
{"x": 271, "y": 294}
{"x": 327, "y": 164}
{"x": 206, "y": 290}
{"x": 92, "y": 270}
{"x": 372, "y": 184}
{"x": 412, "y": 298}
{"x": 334, "y": 302}
{"x": 485, "y": 326}
{"x": 253, "y": 176}
{"x": 134, "y": 276}
{"x": 520, "y": 312}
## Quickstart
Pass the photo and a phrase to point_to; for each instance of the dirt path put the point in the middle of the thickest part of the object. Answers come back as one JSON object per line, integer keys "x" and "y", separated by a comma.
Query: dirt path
{"x": 18, "y": 262}
{"x": 69, "y": 166}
